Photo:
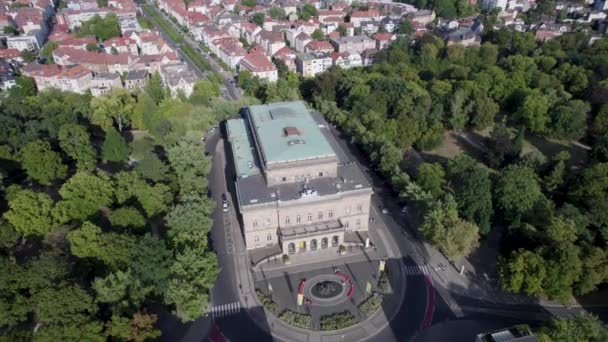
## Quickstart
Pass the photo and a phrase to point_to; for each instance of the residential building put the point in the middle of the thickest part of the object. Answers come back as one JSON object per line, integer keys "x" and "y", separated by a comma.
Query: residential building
{"x": 97, "y": 62}
{"x": 319, "y": 46}
{"x": 30, "y": 42}
{"x": 353, "y": 44}
{"x": 121, "y": 45}
{"x": 295, "y": 192}
{"x": 311, "y": 64}
{"x": 104, "y": 82}
{"x": 7, "y": 75}
{"x": 136, "y": 79}
{"x": 494, "y": 4}
{"x": 368, "y": 57}
{"x": 231, "y": 54}
{"x": 370, "y": 15}
{"x": 75, "y": 78}
{"x": 301, "y": 40}
{"x": 288, "y": 56}
{"x": 346, "y": 60}
{"x": 383, "y": 40}
{"x": 178, "y": 78}
{"x": 271, "y": 42}
{"x": 423, "y": 17}
{"x": 259, "y": 65}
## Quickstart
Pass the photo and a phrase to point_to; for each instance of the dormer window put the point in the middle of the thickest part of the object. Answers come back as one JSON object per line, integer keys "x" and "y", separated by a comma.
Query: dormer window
{"x": 289, "y": 131}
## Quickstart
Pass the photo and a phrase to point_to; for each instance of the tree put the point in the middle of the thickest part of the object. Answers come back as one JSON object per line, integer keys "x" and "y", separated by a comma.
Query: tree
{"x": 114, "y": 250}
{"x": 318, "y": 35}
{"x": 276, "y": 12}
{"x": 595, "y": 269}
{"x": 191, "y": 168}
{"x": 192, "y": 275}
{"x": 532, "y": 113}
{"x": 452, "y": 235}
{"x": 30, "y": 213}
{"x": 83, "y": 195}
{"x": 152, "y": 168}
{"x": 501, "y": 145}
{"x": 139, "y": 328}
{"x": 555, "y": 177}
{"x": 75, "y": 142}
{"x": 307, "y": 11}
{"x": 431, "y": 178}
{"x": 405, "y": 26}
{"x": 47, "y": 51}
{"x": 189, "y": 223}
{"x": 28, "y": 56}
{"x": 11, "y": 30}
{"x": 472, "y": 190}
{"x": 445, "y": 9}
{"x": 584, "y": 327}
{"x": 517, "y": 189}
{"x": 41, "y": 163}
{"x": 258, "y": 19}
{"x": 154, "y": 199}
{"x": 102, "y": 28}
{"x": 92, "y": 47}
{"x": 127, "y": 217}
{"x": 599, "y": 127}
{"x": 115, "y": 149}
{"x": 204, "y": 92}
{"x": 564, "y": 267}
{"x": 523, "y": 271}
{"x": 569, "y": 120}
{"x": 600, "y": 149}
{"x": 115, "y": 107}
{"x": 64, "y": 305}
{"x": 155, "y": 88}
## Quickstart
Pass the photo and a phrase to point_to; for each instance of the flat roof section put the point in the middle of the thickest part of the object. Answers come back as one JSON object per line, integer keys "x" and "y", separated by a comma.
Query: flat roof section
{"x": 286, "y": 132}
{"x": 241, "y": 143}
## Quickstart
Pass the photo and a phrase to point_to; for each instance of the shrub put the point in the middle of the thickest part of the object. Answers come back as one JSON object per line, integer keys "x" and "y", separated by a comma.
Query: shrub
{"x": 296, "y": 319}
{"x": 337, "y": 321}
{"x": 267, "y": 303}
{"x": 383, "y": 283}
{"x": 371, "y": 304}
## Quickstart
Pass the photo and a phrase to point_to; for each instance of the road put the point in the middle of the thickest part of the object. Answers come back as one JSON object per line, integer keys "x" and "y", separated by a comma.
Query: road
{"x": 231, "y": 91}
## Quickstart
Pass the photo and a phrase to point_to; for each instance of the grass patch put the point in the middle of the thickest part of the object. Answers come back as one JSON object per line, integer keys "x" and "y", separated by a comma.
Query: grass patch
{"x": 296, "y": 319}
{"x": 371, "y": 304}
{"x": 140, "y": 145}
{"x": 337, "y": 321}
{"x": 267, "y": 303}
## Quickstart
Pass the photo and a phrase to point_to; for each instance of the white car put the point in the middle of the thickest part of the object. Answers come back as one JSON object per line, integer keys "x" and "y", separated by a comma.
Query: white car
{"x": 383, "y": 210}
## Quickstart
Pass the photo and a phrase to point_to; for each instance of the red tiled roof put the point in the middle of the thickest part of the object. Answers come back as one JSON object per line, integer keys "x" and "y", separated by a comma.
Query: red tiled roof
{"x": 319, "y": 45}
{"x": 330, "y": 13}
{"x": 72, "y": 41}
{"x": 86, "y": 57}
{"x": 257, "y": 62}
{"x": 365, "y": 14}
{"x": 9, "y": 53}
{"x": 382, "y": 36}
{"x": 284, "y": 51}
{"x": 334, "y": 34}
{"x": 41, "y": 70}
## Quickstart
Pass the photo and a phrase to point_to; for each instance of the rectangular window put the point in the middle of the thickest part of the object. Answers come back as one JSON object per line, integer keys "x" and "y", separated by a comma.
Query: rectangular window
{"x": 347, "y": 210}
{"x": 320, "y": 174}
{"x": 284, "y": 179}
{"x": 298, "y": 219}
{"x": 309, "y": 217}
{"x": 320, "y": 215}
{"x": 359, "y": 207}
{"x": 256, "y": 238}
{"x": 358, "y": 222}
{"x": 255, "y": 224}
{"x": 330, "y": 214}
{"x": 269, "y": 237}
{"x": 286, "y": 219}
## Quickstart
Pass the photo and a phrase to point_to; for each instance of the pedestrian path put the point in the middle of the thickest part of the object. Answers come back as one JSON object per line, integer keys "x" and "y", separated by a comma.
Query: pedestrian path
{"x": 224, "y": 309}
{"x": 415, "y": 270}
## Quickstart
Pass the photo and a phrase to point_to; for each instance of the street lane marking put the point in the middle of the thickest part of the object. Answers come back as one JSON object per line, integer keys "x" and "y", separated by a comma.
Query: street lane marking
{"x": 224, "y": 309}
{"x": 416, "y": 270}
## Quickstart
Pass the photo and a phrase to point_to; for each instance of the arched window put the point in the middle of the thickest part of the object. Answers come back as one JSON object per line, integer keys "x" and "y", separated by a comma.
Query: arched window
{"x": 335, "y": 240}
{"x": 313, "y": 244}
{"x": 291, "y": 248}
{"x": 320, "y": 215}
{"x": 298, "y": 219}
{"x": 309, "y": 217}
{"x": 287, "y": 221}
{"x": 330, "y": 214}
{"x": 324, "y": 243}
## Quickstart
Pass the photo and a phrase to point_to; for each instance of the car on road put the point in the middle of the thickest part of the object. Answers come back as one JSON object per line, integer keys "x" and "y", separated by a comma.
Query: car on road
{"x": 383, "y": 210}
{"x": 224, "y": 203}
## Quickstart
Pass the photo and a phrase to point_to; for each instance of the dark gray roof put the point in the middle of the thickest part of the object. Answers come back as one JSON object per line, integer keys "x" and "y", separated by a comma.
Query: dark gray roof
{"x": 254, "y": 190}
{"x": 136, "y": 75}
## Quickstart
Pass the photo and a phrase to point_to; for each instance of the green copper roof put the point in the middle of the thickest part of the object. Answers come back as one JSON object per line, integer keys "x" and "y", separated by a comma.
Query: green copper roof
{"x": 287, "y": 132}
{"x": 242, "y": 148}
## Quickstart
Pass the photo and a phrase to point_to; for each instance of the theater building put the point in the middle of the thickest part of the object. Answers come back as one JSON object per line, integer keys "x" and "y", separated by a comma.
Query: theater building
{"x": 296, "y": 189}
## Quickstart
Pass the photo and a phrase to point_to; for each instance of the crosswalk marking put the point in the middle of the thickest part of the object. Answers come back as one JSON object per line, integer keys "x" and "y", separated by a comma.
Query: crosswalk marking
{"x": 414, "y": 270}
{"x": 224, "y": 309}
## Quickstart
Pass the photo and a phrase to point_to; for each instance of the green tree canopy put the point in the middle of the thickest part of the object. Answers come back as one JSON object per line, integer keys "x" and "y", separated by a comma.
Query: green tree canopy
{"x": 517, "y": 189}
{"x": 41, "y": 163}
{"x": 83, "y": 195}
{"x": 75, "y": 142}
{"x": 116, "y": 107}
{"x": 30, "y": 213}
{"x": 431, "y": 177}
{"x": 115, "y": 148}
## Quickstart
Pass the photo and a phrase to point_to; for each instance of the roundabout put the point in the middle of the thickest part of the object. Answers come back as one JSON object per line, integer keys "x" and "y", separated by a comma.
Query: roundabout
{"x": 327, "y": 289}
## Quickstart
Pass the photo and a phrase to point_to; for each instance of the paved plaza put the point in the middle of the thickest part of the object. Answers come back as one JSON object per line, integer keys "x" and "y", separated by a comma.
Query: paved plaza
{"x": 284, "y": 288}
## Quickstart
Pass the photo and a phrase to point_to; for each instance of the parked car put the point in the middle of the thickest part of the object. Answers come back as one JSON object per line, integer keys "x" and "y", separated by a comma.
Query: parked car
{"x": 224, "y": 203}
{"x": 383, "y": 210}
